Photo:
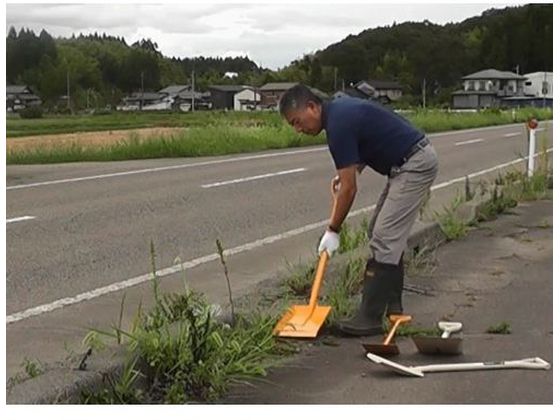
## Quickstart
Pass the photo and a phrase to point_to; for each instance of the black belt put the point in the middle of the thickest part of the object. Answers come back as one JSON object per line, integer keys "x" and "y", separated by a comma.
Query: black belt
{"x": 415, "y": 148}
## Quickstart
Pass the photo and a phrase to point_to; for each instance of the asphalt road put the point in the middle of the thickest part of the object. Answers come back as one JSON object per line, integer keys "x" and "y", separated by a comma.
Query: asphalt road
{"x": 82, "y": 231}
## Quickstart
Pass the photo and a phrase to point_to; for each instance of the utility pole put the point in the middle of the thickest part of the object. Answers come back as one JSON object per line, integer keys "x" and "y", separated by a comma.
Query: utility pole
{"x": 68, "y": 89}
{"x": 192, "y": 90}
{"x": 254, "y": 97}
{"x": 142, "y": 91}
{"x": 335, "y": 75}
{"x": 424, "y": 93}
{"x": 544, "y": 90}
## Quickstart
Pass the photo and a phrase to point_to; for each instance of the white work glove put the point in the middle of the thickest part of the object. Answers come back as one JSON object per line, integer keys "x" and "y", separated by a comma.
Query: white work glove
{"x": 329, "y": 242}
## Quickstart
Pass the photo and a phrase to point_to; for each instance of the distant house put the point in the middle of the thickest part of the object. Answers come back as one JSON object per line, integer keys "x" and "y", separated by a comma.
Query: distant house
{"x": 272, "y": 92}
{"x": 381, "y": 90}
{"x": 174, "y": 90}
{"x": 538, "y": 90}
{"x": 247, "y": 99}
{"x": 184, "y": 101}
{"x": 352, "y": 92}
{"x": 320, "y": 93}
{"x": 20, "y": 97}
{"x": 222, "y": 96}
{"x": 488, "y": 88}
{"x": 148, "y": 101}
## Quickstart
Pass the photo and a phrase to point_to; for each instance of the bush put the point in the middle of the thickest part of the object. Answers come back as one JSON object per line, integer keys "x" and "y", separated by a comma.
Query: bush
{"x": 31, "y": 112}
{"x": 102, "y": 111}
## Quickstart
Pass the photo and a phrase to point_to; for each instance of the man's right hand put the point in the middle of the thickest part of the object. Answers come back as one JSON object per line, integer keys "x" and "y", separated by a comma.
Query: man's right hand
{"x": 329, "y": 242}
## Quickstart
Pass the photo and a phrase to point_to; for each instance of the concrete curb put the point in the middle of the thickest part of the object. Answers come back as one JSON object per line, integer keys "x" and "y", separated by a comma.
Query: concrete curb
{"x": 65, "y": 385}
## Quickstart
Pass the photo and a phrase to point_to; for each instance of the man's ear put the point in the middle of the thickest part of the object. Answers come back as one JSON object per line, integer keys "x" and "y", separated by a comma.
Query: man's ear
{"x": 313, "y": 106}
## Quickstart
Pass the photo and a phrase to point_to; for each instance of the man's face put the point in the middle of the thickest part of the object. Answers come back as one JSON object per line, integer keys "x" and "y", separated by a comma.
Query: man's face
{"x": 306, "y": 120}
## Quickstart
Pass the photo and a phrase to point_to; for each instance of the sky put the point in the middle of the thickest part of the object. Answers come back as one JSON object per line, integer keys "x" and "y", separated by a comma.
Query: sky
{"x": 271, "y": 34}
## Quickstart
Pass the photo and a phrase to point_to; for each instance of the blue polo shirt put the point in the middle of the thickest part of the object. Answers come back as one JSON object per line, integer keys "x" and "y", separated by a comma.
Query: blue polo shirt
{"x": 365, "y": 132}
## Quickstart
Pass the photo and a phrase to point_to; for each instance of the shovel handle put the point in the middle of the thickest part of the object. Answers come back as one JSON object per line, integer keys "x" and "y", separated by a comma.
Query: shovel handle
{"x": 397, "y": 320}
{"x": 324, "y": 257}
{"x": 319, "y": 274}
{"x": 531, "y": 363}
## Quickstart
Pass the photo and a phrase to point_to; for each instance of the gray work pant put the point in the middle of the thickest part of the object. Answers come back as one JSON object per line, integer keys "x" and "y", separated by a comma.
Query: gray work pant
{"x": 399, "y": 204}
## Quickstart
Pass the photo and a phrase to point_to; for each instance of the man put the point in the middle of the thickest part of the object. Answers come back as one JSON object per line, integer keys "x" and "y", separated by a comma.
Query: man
{"x": 363, "y": 133}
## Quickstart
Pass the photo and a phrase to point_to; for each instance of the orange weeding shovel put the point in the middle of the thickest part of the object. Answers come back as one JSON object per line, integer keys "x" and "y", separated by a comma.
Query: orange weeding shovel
{"x": 306, "y": 320}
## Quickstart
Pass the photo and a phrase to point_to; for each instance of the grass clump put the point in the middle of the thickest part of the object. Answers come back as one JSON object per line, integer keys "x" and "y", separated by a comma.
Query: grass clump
{"x": 452, "y": 226}
{"x": 500, "y": 328}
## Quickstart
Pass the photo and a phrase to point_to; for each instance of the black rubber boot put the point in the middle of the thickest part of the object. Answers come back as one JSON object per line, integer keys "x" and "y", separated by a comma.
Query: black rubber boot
{"x": 379, "y": 280}
{"x": 394, "y": 307}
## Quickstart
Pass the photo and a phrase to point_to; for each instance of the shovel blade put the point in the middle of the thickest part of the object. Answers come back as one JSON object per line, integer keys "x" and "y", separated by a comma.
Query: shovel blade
{"x": 384, "y": 349}
{"x": 438, "y": 345}
{"x": 302, "y": 321}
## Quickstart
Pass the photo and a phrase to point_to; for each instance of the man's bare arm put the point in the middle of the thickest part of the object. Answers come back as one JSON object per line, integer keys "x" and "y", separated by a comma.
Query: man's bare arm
{"x": 347, "y": 189}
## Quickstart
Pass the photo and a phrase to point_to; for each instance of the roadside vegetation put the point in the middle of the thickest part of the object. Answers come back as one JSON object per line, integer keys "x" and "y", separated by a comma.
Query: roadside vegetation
{"x": 180, "y": 352}
{"x": 209, "y": 133}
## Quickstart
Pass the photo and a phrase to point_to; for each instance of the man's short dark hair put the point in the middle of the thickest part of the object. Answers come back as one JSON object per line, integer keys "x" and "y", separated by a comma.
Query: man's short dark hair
{"x": 297, "y": 97}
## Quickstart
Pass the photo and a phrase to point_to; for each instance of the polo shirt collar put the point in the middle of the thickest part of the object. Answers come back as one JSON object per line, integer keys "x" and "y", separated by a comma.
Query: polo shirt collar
{"x": 324, "y": 113}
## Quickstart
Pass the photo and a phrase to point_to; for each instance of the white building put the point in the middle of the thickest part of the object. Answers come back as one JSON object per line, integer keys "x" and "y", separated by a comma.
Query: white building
{"x": 538, "y": 84}
{"x": 246, "y": 99}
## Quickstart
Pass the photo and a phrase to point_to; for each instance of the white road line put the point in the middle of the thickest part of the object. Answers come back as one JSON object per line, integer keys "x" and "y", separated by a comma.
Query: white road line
{"x": 115, "y": 287}
{"x": 461, "y": 143}
{"x": 252, "y": 178}
{"x": 168, "y": 168}
{"x": 229, "y": 160}
{"x": 511, "y": 134}
{"x": 474, "y": 130}
{"x": 20, "y": 219}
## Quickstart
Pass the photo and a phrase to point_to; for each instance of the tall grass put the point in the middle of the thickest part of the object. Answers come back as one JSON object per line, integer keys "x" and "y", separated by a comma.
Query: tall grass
{"x": 433, "y": 121}
{"x": 211, "y": 133}
{"x": 195, "y": 142}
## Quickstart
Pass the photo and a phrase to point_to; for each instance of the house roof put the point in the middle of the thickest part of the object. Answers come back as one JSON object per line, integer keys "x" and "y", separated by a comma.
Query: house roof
{"x": 14, "y": 89}
{"x": 355, "y": 93}
{"x": 28, "y": 96}
{"x": 189, "y": 95}
{"x": 148, "y": 96}
{"x": 278, "y": 86}
{"x": 474, "y": 92}
{"x": 494, "y": 74}
{"x": 227, "y": 88}
{"x": 521, "y": 98}
{"x": 319, "y": 93}
{"x": 174, "y": 89}
{"x": 381, "y": 84}
{"x": 539, "y": 73}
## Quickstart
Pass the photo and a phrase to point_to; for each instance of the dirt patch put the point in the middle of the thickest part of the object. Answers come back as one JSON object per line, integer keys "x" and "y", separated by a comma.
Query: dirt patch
{"x": 94, "y": 138}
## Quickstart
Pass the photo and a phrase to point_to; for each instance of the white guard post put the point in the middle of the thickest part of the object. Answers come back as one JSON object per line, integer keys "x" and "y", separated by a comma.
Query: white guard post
{"x": 532, "y": 126}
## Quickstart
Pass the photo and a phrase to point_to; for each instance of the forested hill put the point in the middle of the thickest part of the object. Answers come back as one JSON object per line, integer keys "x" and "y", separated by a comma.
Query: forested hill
{"x": 509, "y": 39}
{"x": 514, "y": 39}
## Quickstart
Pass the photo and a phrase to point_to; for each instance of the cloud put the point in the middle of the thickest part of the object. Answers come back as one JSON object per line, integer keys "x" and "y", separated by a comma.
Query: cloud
{"x": 271, "y": 34}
